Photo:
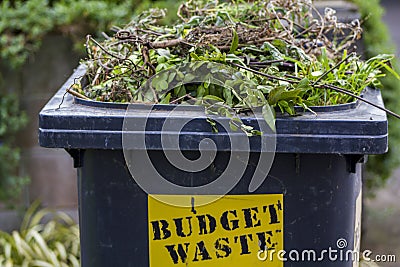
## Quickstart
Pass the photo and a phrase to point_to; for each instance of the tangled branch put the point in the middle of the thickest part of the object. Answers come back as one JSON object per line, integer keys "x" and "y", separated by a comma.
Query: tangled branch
{"x": 278, "y": 38}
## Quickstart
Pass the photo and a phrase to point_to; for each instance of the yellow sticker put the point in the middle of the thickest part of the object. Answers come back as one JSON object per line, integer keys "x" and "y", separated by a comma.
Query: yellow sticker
{"x": 228, "y": 232}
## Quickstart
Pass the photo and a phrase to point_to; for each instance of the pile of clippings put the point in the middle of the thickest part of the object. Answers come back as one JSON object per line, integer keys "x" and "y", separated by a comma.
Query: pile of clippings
{"x": 289, "y": 51}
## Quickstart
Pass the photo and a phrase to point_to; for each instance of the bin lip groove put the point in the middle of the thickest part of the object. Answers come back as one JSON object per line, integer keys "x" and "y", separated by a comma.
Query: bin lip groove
{"x": 67, "y": 105}
{"x": 168, "y": 107}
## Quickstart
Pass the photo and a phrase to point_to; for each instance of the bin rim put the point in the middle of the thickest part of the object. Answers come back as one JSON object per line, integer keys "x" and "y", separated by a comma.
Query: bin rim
{"x": 361, "y": 129}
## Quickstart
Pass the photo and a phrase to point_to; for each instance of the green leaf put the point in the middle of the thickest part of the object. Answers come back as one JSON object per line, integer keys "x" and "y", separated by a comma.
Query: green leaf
{"x": 196, "y": 65}
{"x": 161, "y": 66}
{"x": 180, "y": 75}
{"x": 275, "y": 53}
{"x": 269, "y": 116}
{"x": 304, "y": 84}
{"x": 280, "y": 45}
{"x": 164, "y": 52}
{"x": 162, "y": 85}
{"x": 159, "y": 82}
{"x": 280, "y": 93}
{"x": 171, "y": 77}
{"x": 200, "y": 91}
{"x": 162, "y": 59}
{"x": 286, "y": 106}
{"x": 180, "y": 91}
{"x": 317, "y": 73}
{"x": 213, "y": 125}
{"x": 228, "y": 96}
{"x": 275, "y": 95}
{"x": 213, "y": 98}
{"x": 207, "y": 83}
{"x": 235, "y": 41}
{"x": 390, "y": 70}
{"x": 194, "y": 56}
{"x": 188, "y": 78}
{"x": 40, "y": 263}
{"x": 166, "y": 99}
{"x": 235, "y": 123}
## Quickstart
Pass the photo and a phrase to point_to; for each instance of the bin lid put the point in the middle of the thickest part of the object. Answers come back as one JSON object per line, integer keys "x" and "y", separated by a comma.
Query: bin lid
{"x": 357, "y": 128}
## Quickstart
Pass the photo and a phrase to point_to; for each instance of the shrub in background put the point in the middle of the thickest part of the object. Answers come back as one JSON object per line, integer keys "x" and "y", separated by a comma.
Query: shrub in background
{"x": 11, "y": 120}
{"x": 377, "y": 40}
{"x": 23, "y": 25}
{"x": 45, "y": 239}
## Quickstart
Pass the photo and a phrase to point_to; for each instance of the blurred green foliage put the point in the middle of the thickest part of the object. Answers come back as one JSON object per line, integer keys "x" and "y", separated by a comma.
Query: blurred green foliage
{"x": 377, "y": 39}
{"x": 11, "y": 120}
{"x": 23, "y": 24}
{"x": 46, "y": 238}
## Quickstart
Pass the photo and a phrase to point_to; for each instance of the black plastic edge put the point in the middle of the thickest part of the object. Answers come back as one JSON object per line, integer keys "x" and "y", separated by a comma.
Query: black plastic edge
{"x": 69, "y": 125}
